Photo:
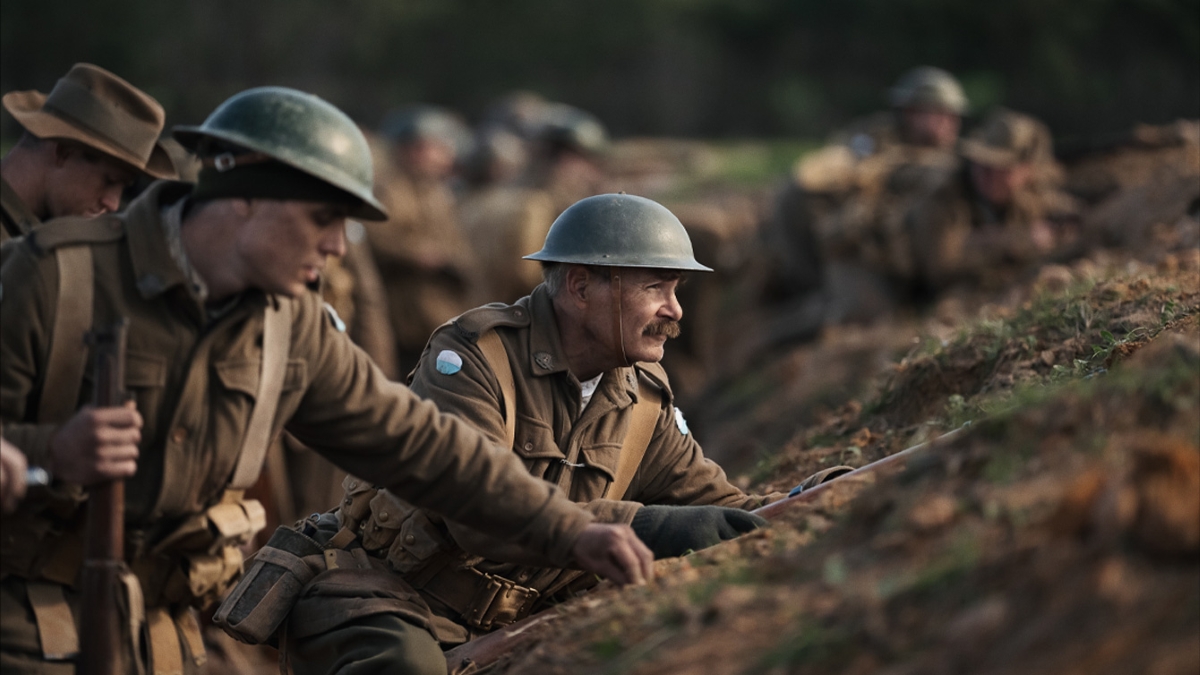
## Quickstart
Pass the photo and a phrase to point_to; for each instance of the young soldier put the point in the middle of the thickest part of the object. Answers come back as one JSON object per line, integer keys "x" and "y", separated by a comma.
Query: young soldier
{"x": 226, "y": 347}
{"x": 83, "y": 144}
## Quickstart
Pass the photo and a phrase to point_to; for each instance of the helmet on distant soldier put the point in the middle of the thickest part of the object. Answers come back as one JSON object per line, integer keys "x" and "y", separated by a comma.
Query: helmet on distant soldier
{"x": 426, "y": 122}
{"x": 619, "y": 230}
{"x": 568, "y": 127}
{"x": 299, "y": 130}
{"x": 929, "y": 87}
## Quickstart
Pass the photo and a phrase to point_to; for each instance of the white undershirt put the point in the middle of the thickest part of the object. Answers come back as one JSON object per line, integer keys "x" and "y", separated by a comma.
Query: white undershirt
{"x": 588, "y": 388}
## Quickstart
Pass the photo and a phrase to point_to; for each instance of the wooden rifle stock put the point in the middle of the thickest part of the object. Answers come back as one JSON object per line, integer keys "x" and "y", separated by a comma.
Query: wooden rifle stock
{"x": 487, "y": 649}
{"x": 101, "y": 635}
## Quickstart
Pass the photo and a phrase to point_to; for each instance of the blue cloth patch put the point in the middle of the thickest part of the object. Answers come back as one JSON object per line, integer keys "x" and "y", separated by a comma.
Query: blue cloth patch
{"x": 448, "y": 362}
{"x": 680, "y": 422}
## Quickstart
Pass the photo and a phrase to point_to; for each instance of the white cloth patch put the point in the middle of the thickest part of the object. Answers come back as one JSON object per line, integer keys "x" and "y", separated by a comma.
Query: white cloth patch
{"x": 448, "y": 362}
{"x": 680, "y": 422}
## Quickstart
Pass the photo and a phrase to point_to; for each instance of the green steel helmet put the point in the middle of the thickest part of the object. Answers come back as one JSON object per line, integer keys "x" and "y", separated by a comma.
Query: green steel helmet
{"x": 930, "y": 87}
{"x": 426, "y": 122}
{"x": 297, "y": 129}
{"x": 568, "y": 127}
{"x": 619, "y": 230}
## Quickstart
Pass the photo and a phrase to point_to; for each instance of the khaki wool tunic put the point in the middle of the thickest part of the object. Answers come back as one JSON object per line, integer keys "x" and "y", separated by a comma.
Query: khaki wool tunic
{"x": 194, "y": 381}
{"x": 575, "y": 450}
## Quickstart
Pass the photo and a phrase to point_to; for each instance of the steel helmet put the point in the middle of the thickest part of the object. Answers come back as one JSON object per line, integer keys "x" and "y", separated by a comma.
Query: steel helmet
{"x": 931, "y": 87}
{"x": 297, "y": 129}
{"x": 619, "y": 230}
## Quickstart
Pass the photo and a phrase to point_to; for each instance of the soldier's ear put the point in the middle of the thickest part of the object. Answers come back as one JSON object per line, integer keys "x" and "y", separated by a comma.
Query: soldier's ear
{"x": 578, "y": 284}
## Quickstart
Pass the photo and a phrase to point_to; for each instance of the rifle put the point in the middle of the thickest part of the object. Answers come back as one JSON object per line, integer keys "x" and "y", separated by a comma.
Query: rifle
{"x": 101, "y": 624}
{"x": 475, "y": 656}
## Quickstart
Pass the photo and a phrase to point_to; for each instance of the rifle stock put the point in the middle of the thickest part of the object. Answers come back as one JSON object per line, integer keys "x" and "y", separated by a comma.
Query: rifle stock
{"x": 100, "y": 623}
{"x": 474, "y": 656}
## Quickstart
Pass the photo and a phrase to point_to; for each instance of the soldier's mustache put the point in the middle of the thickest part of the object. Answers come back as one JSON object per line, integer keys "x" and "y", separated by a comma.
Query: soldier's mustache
{"x": 669, "y": 328}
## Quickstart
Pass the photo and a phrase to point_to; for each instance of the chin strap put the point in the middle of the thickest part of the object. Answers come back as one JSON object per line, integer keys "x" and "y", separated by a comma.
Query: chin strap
{"x": 617, "y": 322}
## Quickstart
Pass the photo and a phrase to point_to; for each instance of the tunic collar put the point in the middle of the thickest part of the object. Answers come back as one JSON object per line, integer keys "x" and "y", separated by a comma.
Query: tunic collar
{"x": 154, "y": 268}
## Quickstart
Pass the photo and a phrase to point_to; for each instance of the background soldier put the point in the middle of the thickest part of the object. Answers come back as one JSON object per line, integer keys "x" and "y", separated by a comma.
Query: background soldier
{"x": 1004, "y": 210}
{"x": 835, "y": 231}
{"x": 426, "y": 265}
{"x": 226, "y": 346}
{"x": 506, "y": 223}
{"x": 83, "y": 144}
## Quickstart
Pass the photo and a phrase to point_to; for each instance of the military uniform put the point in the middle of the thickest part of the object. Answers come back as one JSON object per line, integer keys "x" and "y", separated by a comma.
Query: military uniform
{"x": 195, "y": 373}
{"x": 957, "y": 236}
{"x": 503, "y": 223}
{"x": 454, "y": 568}
{"x": 15, "y": 217}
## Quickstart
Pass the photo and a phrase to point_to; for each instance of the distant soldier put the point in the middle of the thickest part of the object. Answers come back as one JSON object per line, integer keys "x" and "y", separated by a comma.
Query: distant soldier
{"x": 226, "y": 347}
{"x": 428, "y": 271}
{"x": 508, "y": 222}
{"x": 836, "y": 239}
{"x": 83, "y": 144}
{"x": 1003, "y": 211}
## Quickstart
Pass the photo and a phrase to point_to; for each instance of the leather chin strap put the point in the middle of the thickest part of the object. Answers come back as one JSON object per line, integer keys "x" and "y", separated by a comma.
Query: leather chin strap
{"x": 617, "y": 321}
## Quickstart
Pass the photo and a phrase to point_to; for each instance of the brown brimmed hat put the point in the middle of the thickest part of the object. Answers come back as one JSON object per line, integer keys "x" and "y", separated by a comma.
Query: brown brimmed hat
{"x": 1008, "y": 138}
{"x": 100, "y": 110}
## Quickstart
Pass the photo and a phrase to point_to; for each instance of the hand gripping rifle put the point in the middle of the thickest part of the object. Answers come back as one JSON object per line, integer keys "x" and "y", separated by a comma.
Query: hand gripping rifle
{"x": 478, "y": 654}
{"x": 101, "y": 634}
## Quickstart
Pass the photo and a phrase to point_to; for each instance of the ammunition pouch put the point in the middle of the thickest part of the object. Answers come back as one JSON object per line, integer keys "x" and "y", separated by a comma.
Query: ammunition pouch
{"x": 278, "y": 572}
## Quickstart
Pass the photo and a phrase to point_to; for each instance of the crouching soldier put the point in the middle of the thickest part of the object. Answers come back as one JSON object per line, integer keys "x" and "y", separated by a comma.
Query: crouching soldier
{"x": 568, "y": 378}
{"x": 226, "y": 347}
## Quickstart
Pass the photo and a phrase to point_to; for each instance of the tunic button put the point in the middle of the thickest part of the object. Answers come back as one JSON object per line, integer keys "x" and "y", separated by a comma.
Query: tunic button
{"x": 383, "y": 516}
{"x": 353, "y": 484}
{"x": 529, "y": 446}
{"x": 179, "y": 435}
{"x": 410, "y": 539}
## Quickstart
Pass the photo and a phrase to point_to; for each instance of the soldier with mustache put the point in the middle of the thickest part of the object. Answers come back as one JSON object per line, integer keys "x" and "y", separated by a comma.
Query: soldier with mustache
{"x": 568, "y": 378}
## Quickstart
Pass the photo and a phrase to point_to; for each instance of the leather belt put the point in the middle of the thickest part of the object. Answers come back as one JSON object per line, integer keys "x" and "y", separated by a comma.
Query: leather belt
{"x": 485, "y": 601}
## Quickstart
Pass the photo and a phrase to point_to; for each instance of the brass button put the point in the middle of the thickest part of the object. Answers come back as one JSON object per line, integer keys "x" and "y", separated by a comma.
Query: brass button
{"x": 410, "y": 539}
{"x": 353, "y": 484}
{"x": 179, "y": 435}
{"x": 383, "y": 515}
{"x": 529, "y": 446}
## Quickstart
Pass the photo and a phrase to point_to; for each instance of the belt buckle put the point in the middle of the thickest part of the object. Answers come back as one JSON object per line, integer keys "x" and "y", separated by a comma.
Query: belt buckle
{"x": 496, "y": 605}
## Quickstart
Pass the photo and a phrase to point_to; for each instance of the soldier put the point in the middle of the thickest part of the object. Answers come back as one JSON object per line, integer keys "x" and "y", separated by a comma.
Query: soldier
{"x": 505, "y": 222}
{"x": 568, "y": 379}
{"x": 428, "y": 272}
{"x": 226, "y": 347}
{"x": 1004, "y": 210}
{"x": 834, "y": 233}
{"x": 84, "y": 142}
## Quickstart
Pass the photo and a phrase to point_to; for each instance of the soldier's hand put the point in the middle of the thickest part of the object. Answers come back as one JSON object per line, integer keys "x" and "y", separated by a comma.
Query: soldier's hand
{"x": 672, "y": 531}
{"x": 97, "y": 444}
{"x": 12, "y": 475}
{"x": 614, "y": 552}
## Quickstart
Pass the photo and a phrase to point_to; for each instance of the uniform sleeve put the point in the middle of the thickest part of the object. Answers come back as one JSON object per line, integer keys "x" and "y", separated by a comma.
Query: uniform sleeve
{"x": 676, "y": 472}
{"x": 29, "y": 287}
{"x": 381, "y": 430}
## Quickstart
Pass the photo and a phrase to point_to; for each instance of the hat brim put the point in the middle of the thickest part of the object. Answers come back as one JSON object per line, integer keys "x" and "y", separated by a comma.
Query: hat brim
{"x": 26, "y": 108}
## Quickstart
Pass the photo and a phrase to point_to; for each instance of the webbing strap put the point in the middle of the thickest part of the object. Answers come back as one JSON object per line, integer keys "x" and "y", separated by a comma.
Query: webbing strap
{"x": 497, "y": 357}
{"x": 67, "y": 360}
{"x": 55, "y": 625}
{"x": 166, "y": 652}
{"x": 637, "y": 439}
{"x": 277, "y": 338}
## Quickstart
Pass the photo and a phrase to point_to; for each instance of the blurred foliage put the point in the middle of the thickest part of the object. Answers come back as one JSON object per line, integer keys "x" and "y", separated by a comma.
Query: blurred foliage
{"x": 717, "y": 68}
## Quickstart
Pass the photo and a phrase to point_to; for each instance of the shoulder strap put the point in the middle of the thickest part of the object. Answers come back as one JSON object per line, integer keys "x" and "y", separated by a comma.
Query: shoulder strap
{"x": 637, "y": 439}
{"x": 277, "y": 339}
{"x": 497, "y": 357}
{"x": 67, "y": 358}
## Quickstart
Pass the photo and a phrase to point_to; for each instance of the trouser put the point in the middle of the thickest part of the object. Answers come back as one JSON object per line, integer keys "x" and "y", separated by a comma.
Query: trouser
{"x": 379, "y": 643}
{"x": 22, "y": 646}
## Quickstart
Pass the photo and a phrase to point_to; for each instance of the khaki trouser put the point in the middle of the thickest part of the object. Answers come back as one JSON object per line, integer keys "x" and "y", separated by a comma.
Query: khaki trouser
{"x": 380, "y": 643}
{"x": 21, "y": 645}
